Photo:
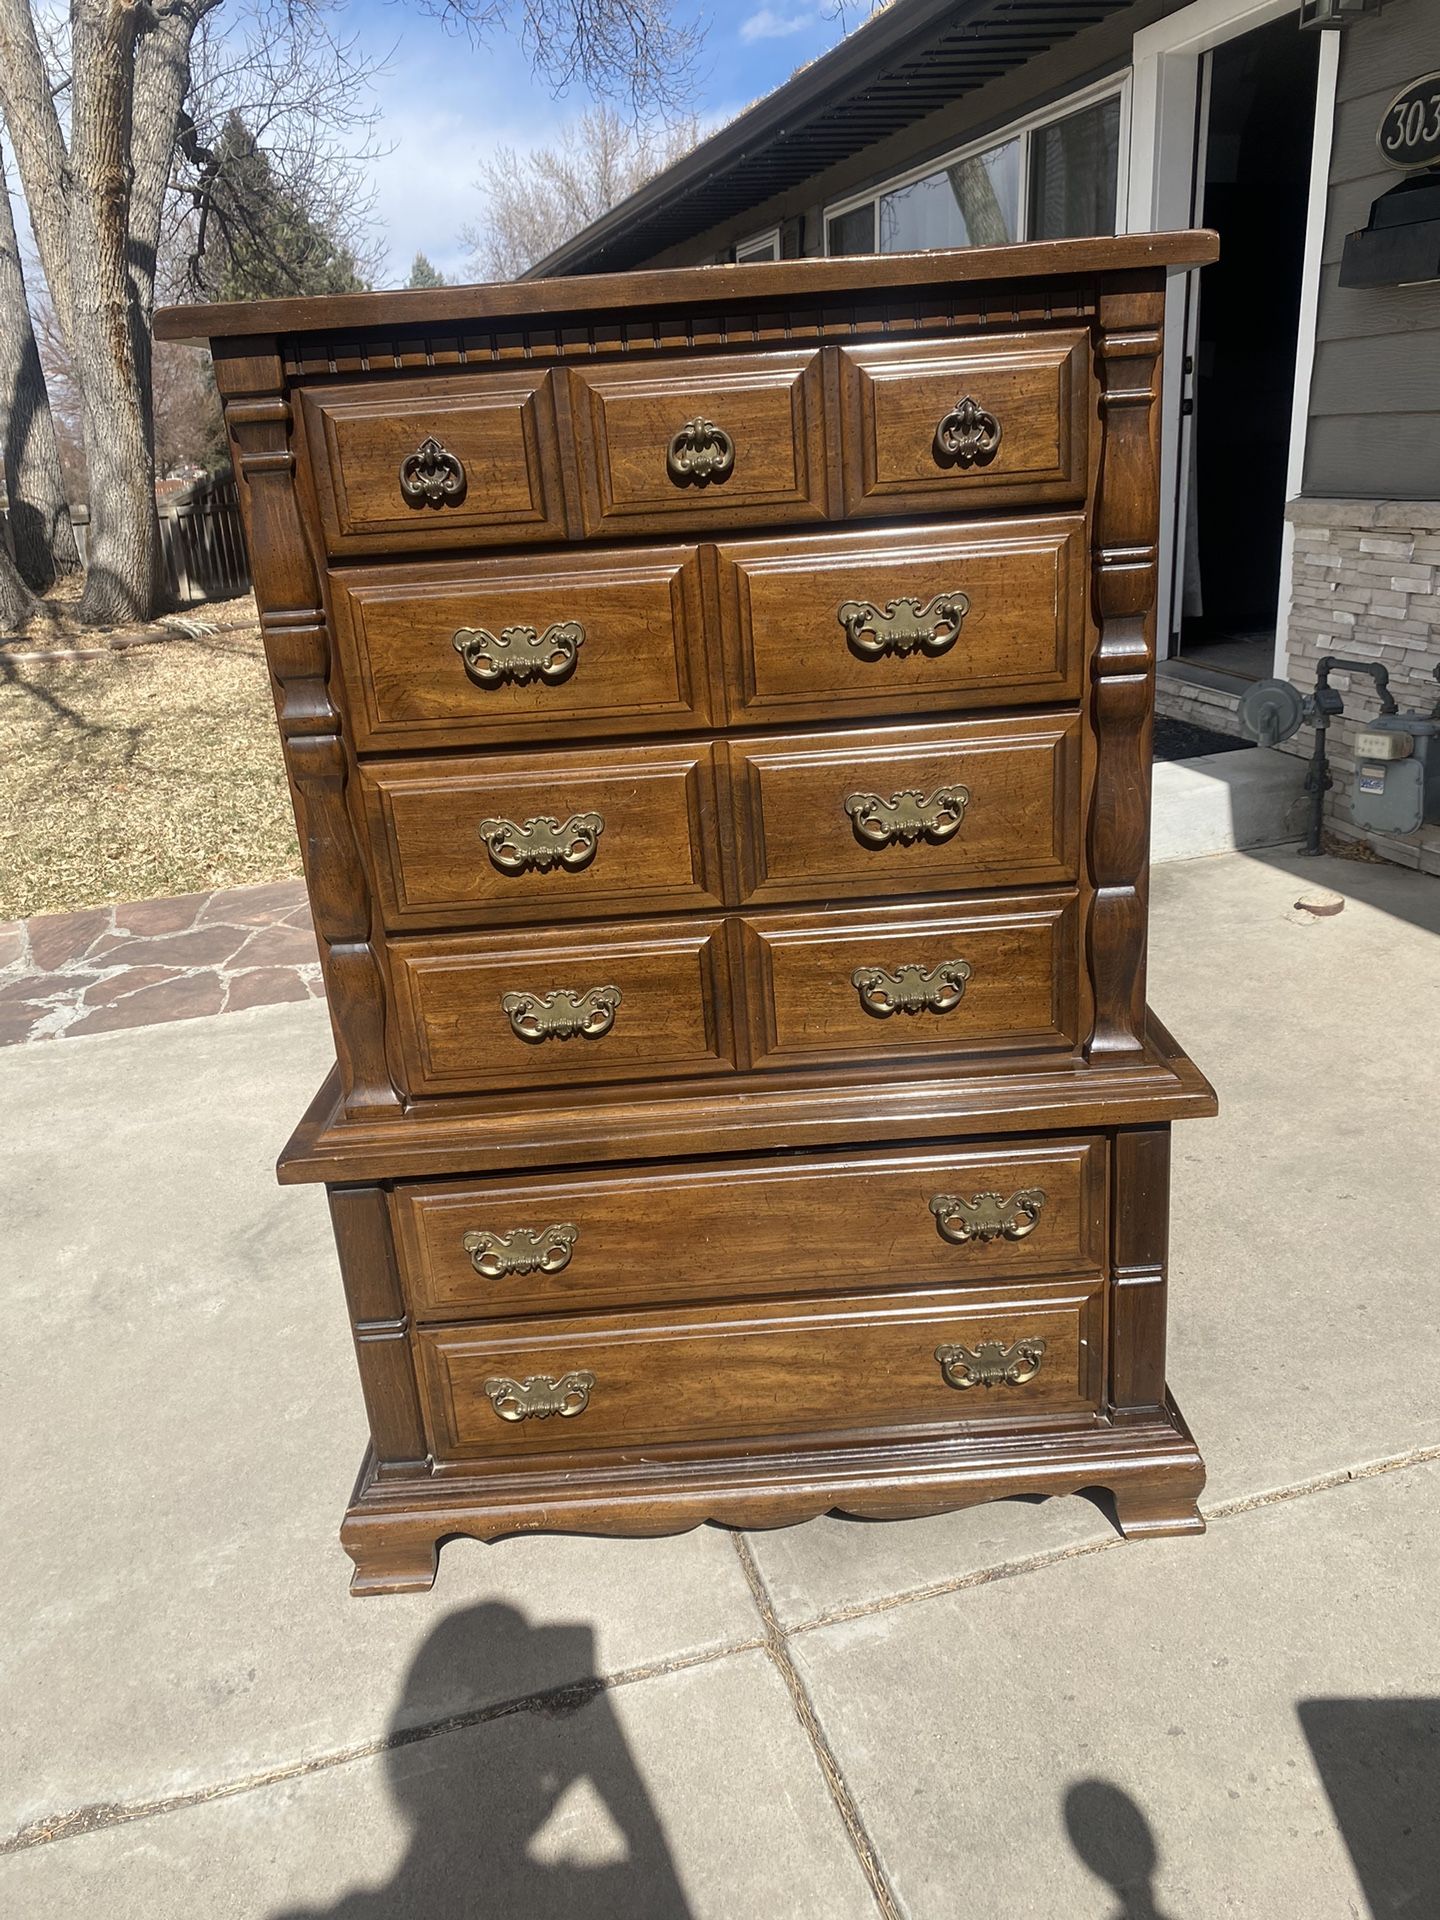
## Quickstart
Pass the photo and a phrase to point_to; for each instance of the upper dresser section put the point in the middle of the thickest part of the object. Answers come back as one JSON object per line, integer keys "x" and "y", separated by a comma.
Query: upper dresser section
{"x": 700, "y": 444}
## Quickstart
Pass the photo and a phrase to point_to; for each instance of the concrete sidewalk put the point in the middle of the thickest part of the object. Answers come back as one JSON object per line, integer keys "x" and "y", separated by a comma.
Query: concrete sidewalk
{"x": 998, "y": 1713}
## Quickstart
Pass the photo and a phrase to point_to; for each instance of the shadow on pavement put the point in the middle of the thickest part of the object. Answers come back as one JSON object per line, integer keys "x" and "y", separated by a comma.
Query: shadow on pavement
{"x": 475, "y": 1797}
{"x": 1380, "y": 1762}
{"x": 1113, "y": 1838}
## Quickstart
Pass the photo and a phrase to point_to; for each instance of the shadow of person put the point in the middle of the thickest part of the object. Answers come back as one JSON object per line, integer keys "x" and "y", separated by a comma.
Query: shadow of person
{"x": 502, "y": 1809}
{"x": 1113, "y": 1838}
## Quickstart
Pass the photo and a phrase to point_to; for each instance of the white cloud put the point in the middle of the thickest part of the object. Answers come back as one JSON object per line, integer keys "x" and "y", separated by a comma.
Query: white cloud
{"x": 767, "y": 24}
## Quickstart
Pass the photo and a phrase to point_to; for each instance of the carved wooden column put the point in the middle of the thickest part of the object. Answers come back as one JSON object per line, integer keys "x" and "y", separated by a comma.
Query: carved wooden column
{"x": 1140, "y": 1210}
{"x": 1125, "y": 581}
{"x": 381, "y": 1328}
{"x": 297, "y": 645}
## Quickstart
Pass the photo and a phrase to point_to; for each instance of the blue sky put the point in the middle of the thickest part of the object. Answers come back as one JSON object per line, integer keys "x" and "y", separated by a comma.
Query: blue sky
{"x": 445, "y": 104}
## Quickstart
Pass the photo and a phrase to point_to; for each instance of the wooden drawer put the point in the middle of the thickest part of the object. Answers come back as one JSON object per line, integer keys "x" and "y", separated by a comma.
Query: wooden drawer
{"x": 854, "y": 1364}
{"x": 984, "y": 614}
{"x": 994, "y": 978}
{"x": 546, "y": 648}
{"x": 562, "y": 1243}
{"x": 911, "y": 444}
{"x": 472, "y": 839}
{"x": 493, "y": 478}
{"x": 644, "y": 1004}
{"x": 631, "y": 424}
{"x": 905, "y": 810}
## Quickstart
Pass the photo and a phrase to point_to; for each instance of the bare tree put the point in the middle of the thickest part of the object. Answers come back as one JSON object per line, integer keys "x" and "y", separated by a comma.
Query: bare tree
{"x": 107, "y": 119}
{"x": 634, "y": 51}
{"x": 17, "y": 603}
{"x": 535, "y": 200}
{"x": 39, "y": 513}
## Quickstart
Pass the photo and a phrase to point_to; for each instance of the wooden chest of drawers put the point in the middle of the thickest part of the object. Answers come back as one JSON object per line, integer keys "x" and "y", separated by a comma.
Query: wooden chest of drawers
{"x": 717, "y": 705}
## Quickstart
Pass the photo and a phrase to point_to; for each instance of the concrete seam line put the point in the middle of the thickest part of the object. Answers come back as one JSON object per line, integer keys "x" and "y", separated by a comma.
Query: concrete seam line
{"x": 1054, "y": 1556}
{"x": 883, "y": 1894}
{"x": 561, "y": 1699}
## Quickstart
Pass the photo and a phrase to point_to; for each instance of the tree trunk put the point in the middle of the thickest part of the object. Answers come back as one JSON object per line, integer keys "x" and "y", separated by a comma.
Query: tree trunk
{"x": 40, "y": 525}
{"x": 17, "y": 603}
{"x": 122, "y": 560}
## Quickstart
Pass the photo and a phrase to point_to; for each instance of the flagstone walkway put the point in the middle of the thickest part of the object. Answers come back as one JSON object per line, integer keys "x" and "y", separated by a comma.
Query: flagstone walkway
{"x": 150, "y": 961}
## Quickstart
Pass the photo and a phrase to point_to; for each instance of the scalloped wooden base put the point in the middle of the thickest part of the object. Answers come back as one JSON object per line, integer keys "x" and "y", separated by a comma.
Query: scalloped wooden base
{"x": 1149, "y": 1465}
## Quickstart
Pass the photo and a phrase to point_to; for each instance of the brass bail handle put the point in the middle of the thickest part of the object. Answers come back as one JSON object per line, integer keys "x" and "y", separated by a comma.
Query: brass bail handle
{"x": 967, "y": 435}
{"x": 699, "y": 453}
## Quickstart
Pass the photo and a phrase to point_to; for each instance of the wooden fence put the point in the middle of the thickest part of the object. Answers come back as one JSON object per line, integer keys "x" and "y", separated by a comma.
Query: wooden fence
{"x": 202, "y": 548}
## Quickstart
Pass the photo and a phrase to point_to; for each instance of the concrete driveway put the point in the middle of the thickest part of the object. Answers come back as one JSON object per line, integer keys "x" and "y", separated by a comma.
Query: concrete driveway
{"x": 1005, "y": 1712}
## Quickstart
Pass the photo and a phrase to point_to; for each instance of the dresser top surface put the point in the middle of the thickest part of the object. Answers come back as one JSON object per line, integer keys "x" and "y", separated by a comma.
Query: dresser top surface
{"x": 675, "y": 286}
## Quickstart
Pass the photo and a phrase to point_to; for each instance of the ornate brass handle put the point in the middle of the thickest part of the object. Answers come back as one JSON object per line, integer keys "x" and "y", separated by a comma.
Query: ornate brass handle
{"x": 967, "y": 436}
{"x": 539, "y": 1397}
{"x": 908, "y": 817}
{"x": 989, "y": 1216}
{"x": 699, "y": 452}
{"x": 563, "y": 1014}
{"x": 496, "y": 1256}
{"x": 538, "y": 845}
{"x": 519, "y": 655}
{"x": 430, "y": 476}
{"x": 910, "y": 989}
{"x": 904, "y": 626}
{"x": 990, "y": 1364}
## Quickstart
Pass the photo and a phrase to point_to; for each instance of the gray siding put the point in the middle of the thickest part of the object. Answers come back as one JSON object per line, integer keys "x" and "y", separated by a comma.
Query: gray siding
{"x": 1375, "y": 396}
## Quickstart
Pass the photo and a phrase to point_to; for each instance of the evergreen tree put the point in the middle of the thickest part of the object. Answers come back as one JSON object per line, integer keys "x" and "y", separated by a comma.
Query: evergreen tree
{"x": 263, "y": 242}
{"x": 424, "y": 274}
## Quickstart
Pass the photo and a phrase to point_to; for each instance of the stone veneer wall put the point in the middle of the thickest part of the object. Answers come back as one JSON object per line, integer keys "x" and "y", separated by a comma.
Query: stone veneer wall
{"x": 1367, "y": 584}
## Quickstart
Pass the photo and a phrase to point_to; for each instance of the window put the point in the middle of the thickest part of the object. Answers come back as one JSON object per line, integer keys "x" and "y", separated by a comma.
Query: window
{"x": 760, "y": 246}
{"x": 1053, "y": 177}
{"x": 1074, "y": 171}
{"x": 975, "y": 202}
{"x": 852, "y": 232}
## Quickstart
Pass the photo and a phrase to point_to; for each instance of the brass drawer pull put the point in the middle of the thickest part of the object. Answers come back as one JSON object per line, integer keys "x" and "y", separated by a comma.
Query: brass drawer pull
{"x": 989, "y": 1216}
{"x": 518, "y": 655}
{"x": 910, "y": 989}
{"x": 904, "y": 626}
{"x": 538, "y": 1397}
{"x": 496, "y": 1256}
{"x": 541, "y": 844}
{"x": 431, "y": 477}
{"x": 990, "y": 1364}
{"x": 967, "y": 436}
{"x": 908, "y": 817}
{"x": 563, "y": 1014}
{"x": 699, "y": 452}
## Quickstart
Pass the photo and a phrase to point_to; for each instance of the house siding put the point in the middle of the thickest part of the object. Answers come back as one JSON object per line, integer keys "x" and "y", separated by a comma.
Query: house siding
{"x": 1375, "y": 393}
{"x": 1090, "y": 56}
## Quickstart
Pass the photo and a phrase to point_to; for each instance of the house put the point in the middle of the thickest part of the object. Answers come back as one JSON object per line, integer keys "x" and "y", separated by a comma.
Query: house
{"x": 1302, "y": 397}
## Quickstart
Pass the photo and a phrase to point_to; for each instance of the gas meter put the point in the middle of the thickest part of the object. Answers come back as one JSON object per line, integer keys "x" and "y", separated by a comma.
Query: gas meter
{"x": 1397, "y": 772}
{"x": 1397, "y": 757}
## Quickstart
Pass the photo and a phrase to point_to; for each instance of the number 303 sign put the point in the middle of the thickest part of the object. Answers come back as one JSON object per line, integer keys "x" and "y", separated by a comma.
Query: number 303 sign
{"x": 1409, "y": 131}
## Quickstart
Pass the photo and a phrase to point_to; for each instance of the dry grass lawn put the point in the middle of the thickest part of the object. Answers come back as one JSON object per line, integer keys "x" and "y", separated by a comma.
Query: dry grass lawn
{"x": 151, "y": 771}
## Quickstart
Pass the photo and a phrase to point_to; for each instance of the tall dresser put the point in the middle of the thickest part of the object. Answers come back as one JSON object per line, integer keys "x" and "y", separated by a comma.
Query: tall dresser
{"x": 718, "y": 706}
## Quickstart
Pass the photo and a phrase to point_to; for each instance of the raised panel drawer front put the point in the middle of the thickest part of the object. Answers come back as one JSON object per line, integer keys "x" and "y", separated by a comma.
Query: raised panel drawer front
{"x": 554, "y": 836}
{"x": 436, "y": 462}
{"x": 827, "y": 988}
{"x": 907, "y": 810}
{"x": 533, "y": 1010}
{"x": 562, "y": 1243}
{"x": 462, "y": 653}
{"x": 942, "y": 423}
{"x": 722, "y": 442}
{"x": 985, "y": 614}
{"x": 853, "y": 1364}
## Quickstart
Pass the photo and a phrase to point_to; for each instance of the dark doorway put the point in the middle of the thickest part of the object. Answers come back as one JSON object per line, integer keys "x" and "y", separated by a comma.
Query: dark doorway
{"x": 1261, "y": 116}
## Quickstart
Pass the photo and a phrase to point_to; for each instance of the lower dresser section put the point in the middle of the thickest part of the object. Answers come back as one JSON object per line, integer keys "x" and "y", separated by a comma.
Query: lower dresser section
{"x": 641, "y": 1382}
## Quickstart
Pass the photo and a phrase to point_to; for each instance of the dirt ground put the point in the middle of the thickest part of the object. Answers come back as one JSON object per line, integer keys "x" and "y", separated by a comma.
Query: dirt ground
{"x": 154, "y": 770}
